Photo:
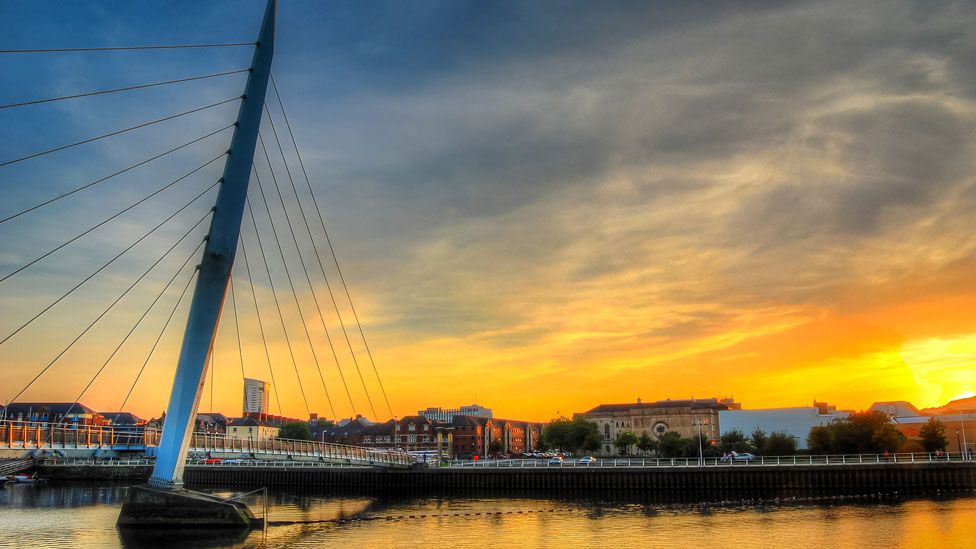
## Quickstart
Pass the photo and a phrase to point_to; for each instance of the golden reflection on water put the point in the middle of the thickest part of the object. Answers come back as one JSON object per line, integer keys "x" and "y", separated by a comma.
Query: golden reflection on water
{"x": 84, "y": 516}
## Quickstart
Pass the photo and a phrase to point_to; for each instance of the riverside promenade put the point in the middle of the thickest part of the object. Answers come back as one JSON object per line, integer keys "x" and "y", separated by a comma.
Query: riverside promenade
{"x": 766, "y": 480}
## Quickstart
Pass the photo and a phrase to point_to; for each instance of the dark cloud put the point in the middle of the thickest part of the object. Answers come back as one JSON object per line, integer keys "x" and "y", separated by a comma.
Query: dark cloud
{"x": 482, "y": 165}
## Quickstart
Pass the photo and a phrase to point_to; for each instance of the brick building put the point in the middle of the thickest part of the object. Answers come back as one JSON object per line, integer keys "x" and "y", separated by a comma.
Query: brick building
{"x": 356, "y": 432}
{"x": 413, "y": 433}
{"x": 471, "y": 436}
{"x": 463, "y": 436}
{"x": 66, "y": 413}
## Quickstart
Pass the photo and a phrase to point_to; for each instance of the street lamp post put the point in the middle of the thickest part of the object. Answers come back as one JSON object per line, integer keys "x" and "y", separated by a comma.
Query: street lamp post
{"x": 965, "y": 450}
{"x": 701, "y": 453}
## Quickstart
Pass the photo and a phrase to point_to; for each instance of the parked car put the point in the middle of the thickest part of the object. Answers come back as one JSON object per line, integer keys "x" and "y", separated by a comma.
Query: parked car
{"x": 587, "y": 460}
{"x": 211, "y": 461}
{"x": 555, "y": 460}
{"x": 738, "y": 456}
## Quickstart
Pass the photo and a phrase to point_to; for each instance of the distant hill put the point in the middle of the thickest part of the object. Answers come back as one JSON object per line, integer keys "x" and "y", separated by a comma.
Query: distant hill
{"x": 967, "y": 404}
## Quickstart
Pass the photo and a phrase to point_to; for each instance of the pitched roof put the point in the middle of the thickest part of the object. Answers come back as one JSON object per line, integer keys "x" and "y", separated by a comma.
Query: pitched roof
{"x": 52, "y": 408}
{"x": 694, "y": 404}
{"x": 467, "y": 420}
{"x": 213, "y": 417}
{"x": 356, "y": 427}
{"x": 897, "y": 408}
{"x": 121, "y": 418}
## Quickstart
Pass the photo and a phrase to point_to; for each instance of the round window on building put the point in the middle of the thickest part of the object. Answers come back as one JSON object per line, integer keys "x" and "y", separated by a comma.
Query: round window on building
{"x": 660, "y": 428}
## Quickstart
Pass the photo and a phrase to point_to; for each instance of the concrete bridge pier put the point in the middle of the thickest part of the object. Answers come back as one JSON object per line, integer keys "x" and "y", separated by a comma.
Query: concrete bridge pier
{"x": 154, "y": 507}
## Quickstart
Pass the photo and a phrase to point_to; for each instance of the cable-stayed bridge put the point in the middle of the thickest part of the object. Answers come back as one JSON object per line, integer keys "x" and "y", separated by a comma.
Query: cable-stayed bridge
{"x": 106, "y": 226}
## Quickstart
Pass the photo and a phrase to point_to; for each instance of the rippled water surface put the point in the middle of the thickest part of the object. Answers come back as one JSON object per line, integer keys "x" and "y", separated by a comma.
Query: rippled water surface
{"x": 84, "y": 515}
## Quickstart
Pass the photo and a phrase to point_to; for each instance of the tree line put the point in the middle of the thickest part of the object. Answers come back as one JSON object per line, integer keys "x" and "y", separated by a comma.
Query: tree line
{"x": 872, "y": 433}
{"x": 862, "y": 433}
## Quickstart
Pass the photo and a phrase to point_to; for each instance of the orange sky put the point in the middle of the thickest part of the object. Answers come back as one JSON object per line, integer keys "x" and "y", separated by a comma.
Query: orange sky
{"x": 772, "y": 203}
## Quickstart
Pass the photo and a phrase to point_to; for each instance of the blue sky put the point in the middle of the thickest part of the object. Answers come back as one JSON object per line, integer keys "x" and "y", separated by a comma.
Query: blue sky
{"x": 597, "y": 199}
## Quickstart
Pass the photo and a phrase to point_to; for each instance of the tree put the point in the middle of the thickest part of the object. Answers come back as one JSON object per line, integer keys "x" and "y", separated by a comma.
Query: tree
{"x": 571, "y": 435}
{"x": 295, "y": 430}
{"x": 734, "y": 441}
{"x": 586, "y": 435}
{"x": 933, "y": 436}
{"x": 323, "y": 423}
{"x": 863, "y": 433}
{"x": 780, "y": 444}
{"x": 646, "y": 444}
{"x": 820, "y": 440}
{"x": 759, "y": 440}
{"x": 624, "y": 441}
{"x": 670, "y": 445}
{"x": 696, "y": 444}
{"x": 495, "y": 446}
{"x": 556, "y": 434}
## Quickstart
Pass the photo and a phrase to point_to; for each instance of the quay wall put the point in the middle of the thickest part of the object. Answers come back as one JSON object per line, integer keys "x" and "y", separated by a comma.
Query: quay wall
{"x": 780, "y": 480}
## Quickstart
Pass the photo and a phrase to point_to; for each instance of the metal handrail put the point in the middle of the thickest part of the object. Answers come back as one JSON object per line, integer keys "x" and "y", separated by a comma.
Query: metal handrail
{"x": 758, "y": 461}
{"x": 17, "y": 434}
{"x": 92, "y": 462}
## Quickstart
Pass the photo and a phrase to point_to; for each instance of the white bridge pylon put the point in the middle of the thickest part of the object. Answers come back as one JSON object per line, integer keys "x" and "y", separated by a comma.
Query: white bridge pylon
{"x": 215, "y": 268}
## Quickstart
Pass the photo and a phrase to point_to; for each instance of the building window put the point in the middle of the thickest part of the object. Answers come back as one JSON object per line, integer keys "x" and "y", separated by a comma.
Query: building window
{"x": 606, "y": 431}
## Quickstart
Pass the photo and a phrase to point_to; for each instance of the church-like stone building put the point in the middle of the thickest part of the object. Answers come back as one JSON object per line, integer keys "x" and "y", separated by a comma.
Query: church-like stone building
{"x": 656, "y": 418}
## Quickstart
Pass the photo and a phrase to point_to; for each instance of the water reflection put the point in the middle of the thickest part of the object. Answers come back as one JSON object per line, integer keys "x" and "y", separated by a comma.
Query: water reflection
{"x": 83, "y": 515}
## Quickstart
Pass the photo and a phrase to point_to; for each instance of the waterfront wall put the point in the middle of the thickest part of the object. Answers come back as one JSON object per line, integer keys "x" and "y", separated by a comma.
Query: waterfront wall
{"x": 770, "y": 481}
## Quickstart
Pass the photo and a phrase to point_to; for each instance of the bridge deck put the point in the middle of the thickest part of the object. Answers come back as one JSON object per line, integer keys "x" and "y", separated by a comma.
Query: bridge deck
{"x": 17, "y": 435}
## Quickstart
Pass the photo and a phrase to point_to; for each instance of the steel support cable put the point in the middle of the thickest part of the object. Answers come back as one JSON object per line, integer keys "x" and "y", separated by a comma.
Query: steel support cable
{"x": 127, "y": 88}
{"x": 294, "y": 293}
{"x": 131, "y": 48}
{"x": 291, "y": 283}
{"x": 321, "y": 216}
{"x": 104, "y": 266}
{"x": 107, "y": 309}
{"x": 110, "y": 176}
{"x": 110, "y": 218}
{"x": 132, "y": 330}
{"x": 309, "y": 280}
{"x": 117, "y": 132}
{"x": 281, "y": 317}
{"x": 257, "y": 312}
{"x": 158, "y": 338}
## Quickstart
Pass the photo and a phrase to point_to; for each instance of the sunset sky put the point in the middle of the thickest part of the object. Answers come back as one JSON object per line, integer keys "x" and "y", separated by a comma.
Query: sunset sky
{"x": 538, "y": 207}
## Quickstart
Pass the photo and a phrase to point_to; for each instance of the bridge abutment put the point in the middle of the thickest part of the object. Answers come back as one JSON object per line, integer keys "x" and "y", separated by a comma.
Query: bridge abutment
{"x": 149, "y": 507}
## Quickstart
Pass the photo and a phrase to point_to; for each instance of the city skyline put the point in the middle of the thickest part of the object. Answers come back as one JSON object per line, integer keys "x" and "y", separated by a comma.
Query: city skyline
{"x": 545, "y": 214}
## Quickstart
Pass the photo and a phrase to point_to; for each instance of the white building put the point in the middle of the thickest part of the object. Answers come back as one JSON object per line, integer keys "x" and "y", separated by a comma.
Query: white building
{"x": 795, "y": 422}
{"x": 256, "y": 396}
{"x": 446, "y": 416}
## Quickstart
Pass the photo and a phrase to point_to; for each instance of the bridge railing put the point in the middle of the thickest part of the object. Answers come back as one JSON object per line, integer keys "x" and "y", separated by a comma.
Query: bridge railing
{"x": 757, "y": 461}
{"x": 37, "y": 435}
{"x": 147, "y": 462}
{"x": 219, "y": 442}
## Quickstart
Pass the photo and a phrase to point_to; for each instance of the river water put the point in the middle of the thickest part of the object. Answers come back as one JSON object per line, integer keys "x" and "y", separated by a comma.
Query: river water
{"x": 83, "y": 515}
